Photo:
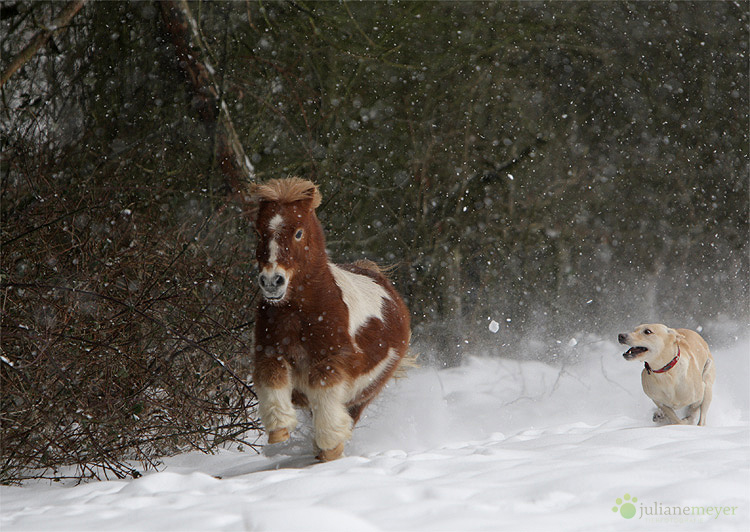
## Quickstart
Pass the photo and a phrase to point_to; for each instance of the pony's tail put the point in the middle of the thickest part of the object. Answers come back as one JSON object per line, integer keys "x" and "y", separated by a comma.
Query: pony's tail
{"x": 383, "y": 269}
{"x": 407, "y": 362}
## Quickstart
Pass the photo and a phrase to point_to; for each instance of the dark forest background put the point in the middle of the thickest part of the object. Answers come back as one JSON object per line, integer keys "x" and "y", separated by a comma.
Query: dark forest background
{"x": 566, "y": 169}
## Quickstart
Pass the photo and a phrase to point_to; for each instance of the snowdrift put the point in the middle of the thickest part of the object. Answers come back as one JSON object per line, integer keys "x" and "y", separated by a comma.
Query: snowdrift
{"x": 494, "y": 444}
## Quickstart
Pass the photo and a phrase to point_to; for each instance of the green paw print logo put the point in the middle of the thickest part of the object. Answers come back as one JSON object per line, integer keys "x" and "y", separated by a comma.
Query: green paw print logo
{"x": 625, "y": 506}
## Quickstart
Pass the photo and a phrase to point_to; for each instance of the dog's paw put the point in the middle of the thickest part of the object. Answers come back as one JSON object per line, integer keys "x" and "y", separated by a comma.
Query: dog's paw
{"x": 660, "y": 417}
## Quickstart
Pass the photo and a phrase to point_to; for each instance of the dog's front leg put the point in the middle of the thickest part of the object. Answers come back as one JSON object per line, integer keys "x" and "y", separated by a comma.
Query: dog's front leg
{"x": 670, "y": 414}
{"x": 692, "y": 413}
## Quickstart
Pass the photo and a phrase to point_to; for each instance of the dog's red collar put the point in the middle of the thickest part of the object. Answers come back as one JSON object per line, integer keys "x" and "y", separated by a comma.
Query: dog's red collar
{"x": 667, "y": 367}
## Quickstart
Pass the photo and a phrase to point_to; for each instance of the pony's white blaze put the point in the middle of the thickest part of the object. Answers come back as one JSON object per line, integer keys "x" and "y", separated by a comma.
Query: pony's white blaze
{"x": 273, "y": 253}
{"x": 275, "y": 223}
{"x": 273, "y": 247}
{"x": 362, "y": 296}
{"x": 272, "y": 291}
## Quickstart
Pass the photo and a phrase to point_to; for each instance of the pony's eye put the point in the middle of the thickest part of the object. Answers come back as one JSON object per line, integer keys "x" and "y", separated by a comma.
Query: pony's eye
{"x": 647, "y": 331}
{"x": 298, "y": 235}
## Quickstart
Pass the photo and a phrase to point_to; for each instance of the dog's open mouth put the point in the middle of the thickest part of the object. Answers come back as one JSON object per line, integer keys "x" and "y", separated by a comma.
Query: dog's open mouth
{"x": 634, "y": 352}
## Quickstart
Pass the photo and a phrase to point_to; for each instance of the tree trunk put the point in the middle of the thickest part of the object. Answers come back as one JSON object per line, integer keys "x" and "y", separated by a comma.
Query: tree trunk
{"x": 182, "y": 29}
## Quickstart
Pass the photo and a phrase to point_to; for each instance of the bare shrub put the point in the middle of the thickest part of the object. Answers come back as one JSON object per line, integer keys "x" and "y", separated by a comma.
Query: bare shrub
{"x": 126, "y": 321}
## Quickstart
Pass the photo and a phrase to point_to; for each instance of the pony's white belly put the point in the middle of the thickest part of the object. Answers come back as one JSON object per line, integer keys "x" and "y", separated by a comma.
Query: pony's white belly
{"x": 346, "y": 391}
{"x": 361, "y": 383}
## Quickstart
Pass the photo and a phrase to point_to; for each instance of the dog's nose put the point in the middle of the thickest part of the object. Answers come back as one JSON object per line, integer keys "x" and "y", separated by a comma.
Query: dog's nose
{"x": 622, "y": 338}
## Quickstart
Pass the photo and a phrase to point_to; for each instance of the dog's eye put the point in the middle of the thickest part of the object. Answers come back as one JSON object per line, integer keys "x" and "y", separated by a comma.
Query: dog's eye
{"x": 298, "y": 235}
{"x": 647, "y": 331}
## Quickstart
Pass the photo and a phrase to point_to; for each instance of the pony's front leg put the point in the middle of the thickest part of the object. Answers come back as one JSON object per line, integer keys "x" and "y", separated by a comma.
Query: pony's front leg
{"x": 331, "y": 419}
{"x": 273, "y": 387}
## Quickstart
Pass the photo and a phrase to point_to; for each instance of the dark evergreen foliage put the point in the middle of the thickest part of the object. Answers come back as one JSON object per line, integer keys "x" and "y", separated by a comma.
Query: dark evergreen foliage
{"x": 562, "y": 168}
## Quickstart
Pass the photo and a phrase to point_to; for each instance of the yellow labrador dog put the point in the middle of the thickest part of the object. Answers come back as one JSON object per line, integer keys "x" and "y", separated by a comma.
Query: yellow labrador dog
{"x": 679, "y": 370}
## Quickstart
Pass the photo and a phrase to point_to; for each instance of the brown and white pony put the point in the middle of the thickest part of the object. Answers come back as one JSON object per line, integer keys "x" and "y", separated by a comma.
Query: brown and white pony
{"x": 327, "y": 336}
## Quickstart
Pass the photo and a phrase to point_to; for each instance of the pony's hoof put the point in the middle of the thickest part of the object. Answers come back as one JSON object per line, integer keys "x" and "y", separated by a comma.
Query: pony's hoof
{"x": 278, "y": 436}
{"x": 331, "y": 454}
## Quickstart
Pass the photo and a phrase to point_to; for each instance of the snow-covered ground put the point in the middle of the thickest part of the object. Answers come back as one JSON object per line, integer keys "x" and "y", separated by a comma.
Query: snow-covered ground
{"x": 495, "y": 444}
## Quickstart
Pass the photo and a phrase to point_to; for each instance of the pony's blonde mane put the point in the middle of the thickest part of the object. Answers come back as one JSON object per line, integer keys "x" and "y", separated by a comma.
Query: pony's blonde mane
{"x": 288, "y": 190}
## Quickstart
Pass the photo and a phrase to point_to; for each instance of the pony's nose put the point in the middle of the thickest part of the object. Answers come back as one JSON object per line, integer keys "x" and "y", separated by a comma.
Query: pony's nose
{"x": 273, "y": 285}
{"x": 272, "y": 282}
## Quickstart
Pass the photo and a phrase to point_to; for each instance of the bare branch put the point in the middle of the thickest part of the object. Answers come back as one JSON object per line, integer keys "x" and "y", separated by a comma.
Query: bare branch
{"x": 40, "y": 39}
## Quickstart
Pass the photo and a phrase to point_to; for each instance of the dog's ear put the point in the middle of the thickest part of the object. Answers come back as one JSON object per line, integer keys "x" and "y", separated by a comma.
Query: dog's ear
{"x": 675, "y": 334}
